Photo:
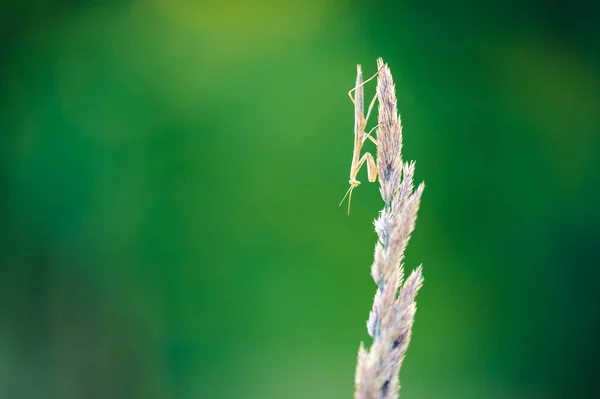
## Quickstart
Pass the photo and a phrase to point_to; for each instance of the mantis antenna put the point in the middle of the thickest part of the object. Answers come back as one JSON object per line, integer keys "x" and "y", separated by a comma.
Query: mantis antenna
{"x": 349, "y": 198}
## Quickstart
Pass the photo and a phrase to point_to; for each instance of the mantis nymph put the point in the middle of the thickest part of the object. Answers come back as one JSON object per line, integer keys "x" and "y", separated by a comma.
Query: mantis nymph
{"x": 360, "y": 124}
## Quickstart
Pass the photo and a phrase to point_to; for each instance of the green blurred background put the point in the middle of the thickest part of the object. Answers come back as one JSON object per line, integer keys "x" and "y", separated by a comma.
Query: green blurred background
{"x": 171, "y": 171}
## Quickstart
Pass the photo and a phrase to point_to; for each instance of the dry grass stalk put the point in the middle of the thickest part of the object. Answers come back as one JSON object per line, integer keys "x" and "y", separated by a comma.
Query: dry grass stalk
{"x": 391, "y": 319}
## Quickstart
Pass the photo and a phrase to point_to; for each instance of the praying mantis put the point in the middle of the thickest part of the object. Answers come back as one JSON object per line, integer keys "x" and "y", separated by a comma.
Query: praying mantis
{"x": 360, "y": 124}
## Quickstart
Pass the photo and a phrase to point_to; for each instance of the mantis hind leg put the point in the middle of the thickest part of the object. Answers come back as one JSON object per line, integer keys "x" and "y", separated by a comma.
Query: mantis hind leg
{"x": 368, "y": 135}
{"x": 359, "y": 101}
{"x": 359, "y": 92}
{"x": 370, "y": 108}
{"x": 365, "y": 119}
{"x": 360, "y": 85}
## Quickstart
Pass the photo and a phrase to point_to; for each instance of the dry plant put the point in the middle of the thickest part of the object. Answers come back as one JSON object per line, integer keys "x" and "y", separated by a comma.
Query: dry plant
{"x": 391, "y": 319}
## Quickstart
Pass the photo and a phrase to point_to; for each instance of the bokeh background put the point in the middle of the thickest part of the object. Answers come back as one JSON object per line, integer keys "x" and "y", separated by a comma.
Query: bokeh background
{"x": 170, "y": 174}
